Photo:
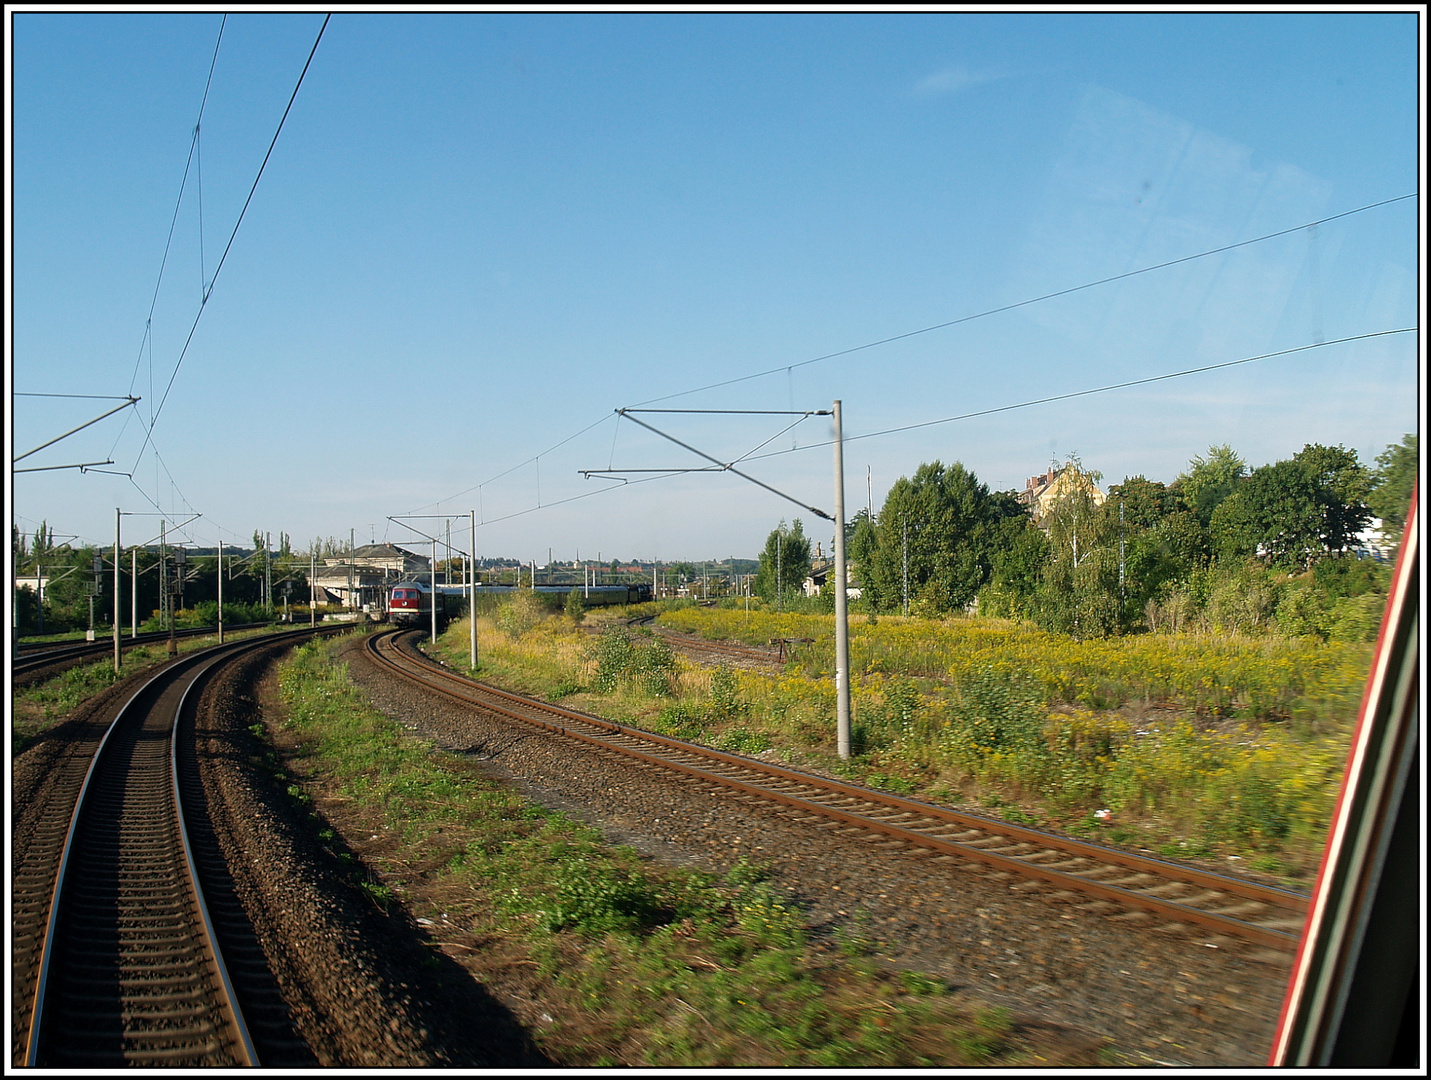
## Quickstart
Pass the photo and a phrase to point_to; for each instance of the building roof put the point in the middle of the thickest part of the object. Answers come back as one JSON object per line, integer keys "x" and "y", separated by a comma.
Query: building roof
{"x": 1041, "y": 492}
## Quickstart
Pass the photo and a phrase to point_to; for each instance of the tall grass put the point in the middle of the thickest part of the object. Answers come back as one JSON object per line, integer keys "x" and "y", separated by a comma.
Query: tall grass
{"x": 1264, "y": 677}
{"x": 671, "y": 968}
{"x": 1194, "y": 744}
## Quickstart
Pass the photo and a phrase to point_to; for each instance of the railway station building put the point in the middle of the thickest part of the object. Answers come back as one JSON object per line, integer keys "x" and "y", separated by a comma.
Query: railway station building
{"x": 362, "y": 579}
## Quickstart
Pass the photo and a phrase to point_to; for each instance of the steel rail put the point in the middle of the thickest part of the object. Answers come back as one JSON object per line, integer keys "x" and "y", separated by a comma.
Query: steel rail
{"x": 34, "y": 657}
{"x": 192, "y": 669}
{"x": 1293, "y": 904}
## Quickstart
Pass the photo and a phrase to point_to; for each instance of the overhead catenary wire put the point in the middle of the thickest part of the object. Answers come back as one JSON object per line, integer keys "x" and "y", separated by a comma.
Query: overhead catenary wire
{"x": 227, "y": 247}
{"x": 183, "y": 184}
{"x": 955, "y": 322}
{"x": 663, "y": 474}
{"x": 1103, "y": 389}
{"x": 1033, "y": 300}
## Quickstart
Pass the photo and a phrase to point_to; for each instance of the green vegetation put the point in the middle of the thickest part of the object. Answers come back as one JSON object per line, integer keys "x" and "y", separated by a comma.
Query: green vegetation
{"x": 784, "y": 564}
{"x": 667, "y": 968}
{"x": 40, "y": 707}
{"x": 1215, "y": 744}
{"x": 1220, "y": 548}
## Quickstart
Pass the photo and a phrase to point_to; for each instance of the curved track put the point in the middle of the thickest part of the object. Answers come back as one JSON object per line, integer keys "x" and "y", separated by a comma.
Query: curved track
{"x": 130, "y": 970}
{"x": 1166, "y": 891}
{"x": 37, "y": 658}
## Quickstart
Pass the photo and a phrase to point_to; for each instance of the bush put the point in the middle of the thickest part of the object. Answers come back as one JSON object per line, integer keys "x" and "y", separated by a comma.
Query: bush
{"x": 1356, "y": 618}
{"x": 725, "y": 693}
{"x": 519, "y": 613}
{"x": 575, "y": 605}
{"x": 994, "y": 711}
{"x": 597, "y": 902}
{"x": 619, "y": 657}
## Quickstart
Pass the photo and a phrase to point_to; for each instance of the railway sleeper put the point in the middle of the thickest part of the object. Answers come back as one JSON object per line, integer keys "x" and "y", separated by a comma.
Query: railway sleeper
{"x": 202, "y": 1053}
{"x": 1136, "y": 882}
{"x": 962, "y": 836}
{"x": 1246, "y": 907}
{"x": 1204, "y": 899}
{"x": 128, "y": 981}
{"x": 1063, "y": 864}
{"x": 92, "y": 1001}
{"x": 194, "y": 1019}
{"x": 146, "y": 1039}
{"x": 1169, "y": 890}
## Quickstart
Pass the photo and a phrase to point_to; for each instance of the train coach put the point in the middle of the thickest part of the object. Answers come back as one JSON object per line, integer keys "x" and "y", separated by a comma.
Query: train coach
{"x": 591, "y": 595}
{"x": 410, "y": 604}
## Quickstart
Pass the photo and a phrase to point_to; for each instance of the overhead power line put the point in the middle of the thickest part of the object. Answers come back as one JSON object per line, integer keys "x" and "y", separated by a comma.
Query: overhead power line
{"x": 1033, "y": 300}
{"x": 1101, "y": 389}
{"x": 955, "y": 322}
{"x": 667, "y": 473}
{"x": 183, "y": 184}
{"x": 212, "y": 281}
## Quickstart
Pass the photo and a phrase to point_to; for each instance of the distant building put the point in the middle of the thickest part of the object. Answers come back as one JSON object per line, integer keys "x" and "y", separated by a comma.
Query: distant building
{"x": 362, "y": 580}
{"x": 1041, "y": 492}
{"x": 820, "y": 572}
{"x": 383, "y": 557}
{"x": 1376, "y": 541}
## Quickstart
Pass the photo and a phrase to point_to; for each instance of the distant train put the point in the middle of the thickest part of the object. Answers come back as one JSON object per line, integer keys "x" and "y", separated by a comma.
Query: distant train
{"x": 592, "y": 595}
{"x": 410, "y": 602}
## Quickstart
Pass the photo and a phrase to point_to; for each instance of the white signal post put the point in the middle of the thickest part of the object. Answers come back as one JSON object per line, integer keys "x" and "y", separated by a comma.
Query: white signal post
{"x": 472, "y": 596}
{"x": 117, "y": 517}
{"x": 842, "y": 614}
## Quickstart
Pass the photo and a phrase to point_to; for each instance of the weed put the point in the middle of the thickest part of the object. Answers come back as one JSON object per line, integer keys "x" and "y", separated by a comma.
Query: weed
{"x": 381, "y": 895}
{"x": 919, "y": 984}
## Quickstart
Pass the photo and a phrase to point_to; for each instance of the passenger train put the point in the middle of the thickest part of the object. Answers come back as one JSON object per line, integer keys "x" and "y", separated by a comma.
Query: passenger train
{"x": 410, "y": 601}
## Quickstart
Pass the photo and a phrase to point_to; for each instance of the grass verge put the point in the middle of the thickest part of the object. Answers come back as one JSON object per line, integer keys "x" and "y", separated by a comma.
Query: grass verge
{"x": 635, "y": 965}
{"x": 40, "y": 707}
{"x": 1197, "y": 747}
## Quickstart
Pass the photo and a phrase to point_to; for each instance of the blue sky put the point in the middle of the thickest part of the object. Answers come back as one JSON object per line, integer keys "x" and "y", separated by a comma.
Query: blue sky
{"x": 480, "y": 234}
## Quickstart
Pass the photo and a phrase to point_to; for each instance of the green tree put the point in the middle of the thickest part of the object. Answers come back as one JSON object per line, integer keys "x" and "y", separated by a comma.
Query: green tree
{"x": 949, "y": 525}
{"x": 1210, "y": 480}
{"x": 1292, "y": 513}
{"x": 1016, "y": 567}
{"x": 1078, "y": 592}
{"x": 784, "y": 564}
{"x": 1141, "y": 502}
{"x": 575, "y": 605}
{"x": 1392, "y": 481}
{"x": 861, "y": 543}
{"x": 1158, "y": 543}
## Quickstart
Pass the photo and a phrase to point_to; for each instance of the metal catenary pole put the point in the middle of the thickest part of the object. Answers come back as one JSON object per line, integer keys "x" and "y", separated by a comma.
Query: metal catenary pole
{"x": 116, "y": 589}
{"x": 472, "y": 597}
{"x": 167, "y": 601}
{"x": 842, "y": 614}
{"x": 221, "y": 590}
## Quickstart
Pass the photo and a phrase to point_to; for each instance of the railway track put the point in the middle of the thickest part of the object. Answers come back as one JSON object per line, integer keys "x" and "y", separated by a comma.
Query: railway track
{"x": 690, "y": 643}
{"x": 125, "y": 924}
{"x": 32, "y": 659}
{"x": 1109, "y": 879}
